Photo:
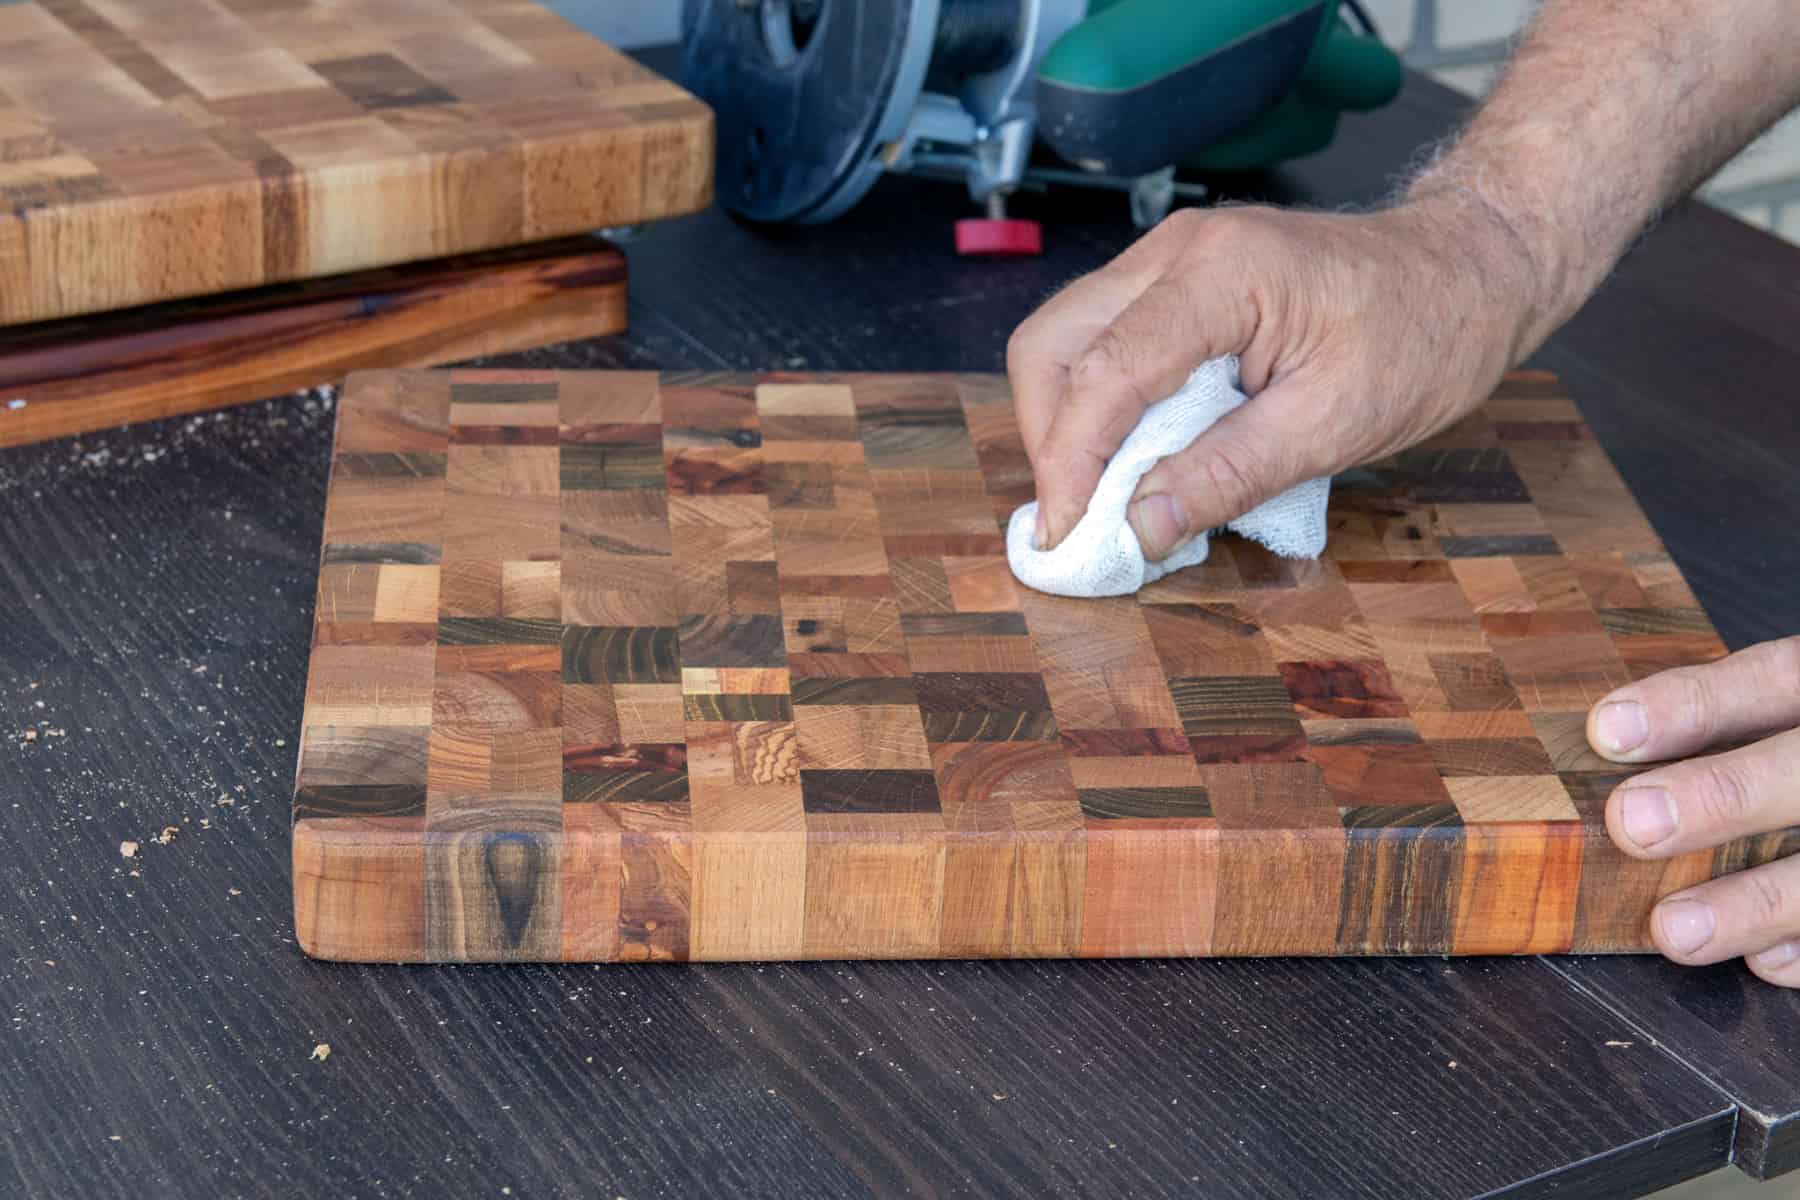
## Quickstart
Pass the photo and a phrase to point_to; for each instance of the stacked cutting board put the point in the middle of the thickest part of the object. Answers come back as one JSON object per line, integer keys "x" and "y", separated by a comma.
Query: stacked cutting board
{"x": 153, "y": 150}
{"x": 613, "y": 666}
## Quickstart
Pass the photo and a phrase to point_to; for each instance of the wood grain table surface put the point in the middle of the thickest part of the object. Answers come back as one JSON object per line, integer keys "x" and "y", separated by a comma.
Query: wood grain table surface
{"x": 161, "y": 1025}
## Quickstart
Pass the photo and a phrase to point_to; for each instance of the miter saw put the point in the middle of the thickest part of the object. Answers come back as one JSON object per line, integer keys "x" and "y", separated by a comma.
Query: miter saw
{"x": 815, "y": 99}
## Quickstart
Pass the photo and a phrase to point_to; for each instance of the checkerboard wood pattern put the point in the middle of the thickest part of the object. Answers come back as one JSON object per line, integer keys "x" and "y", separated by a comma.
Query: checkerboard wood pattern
{"x": 619, "y": 667}
{"x": 152, "y": 149}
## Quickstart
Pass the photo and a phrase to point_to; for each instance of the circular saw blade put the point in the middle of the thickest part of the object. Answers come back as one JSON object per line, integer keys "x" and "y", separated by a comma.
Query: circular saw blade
{"x": 804, "y": 94}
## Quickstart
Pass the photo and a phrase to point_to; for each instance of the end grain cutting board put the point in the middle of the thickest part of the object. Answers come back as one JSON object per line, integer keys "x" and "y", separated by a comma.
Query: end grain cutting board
{"x": 609, "y": 666}
{"x": 154, "y": 149}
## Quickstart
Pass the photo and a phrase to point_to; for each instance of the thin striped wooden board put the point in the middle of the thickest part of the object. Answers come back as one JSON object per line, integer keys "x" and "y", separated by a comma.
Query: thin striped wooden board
{"x": 186, "y": 356}
{"x": 613, "y": 666}
{"x": 156, "y": 149}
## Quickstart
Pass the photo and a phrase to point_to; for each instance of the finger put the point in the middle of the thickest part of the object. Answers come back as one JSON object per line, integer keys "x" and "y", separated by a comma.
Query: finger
{"x": 1253, "y": 453}
{"x": 1179, "y": 322}
{"x": 1753, "y": 692}
{"x": 1041, "y": 349}
{"x": 1779, "y": 964}
{"x": 1705, "y": 801}
{"x": 1745, "y": 914}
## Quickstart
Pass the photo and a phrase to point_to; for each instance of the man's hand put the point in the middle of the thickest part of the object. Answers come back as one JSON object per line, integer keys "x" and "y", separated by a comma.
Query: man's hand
{"x": 1700, "y": 803}
{"x": 1358, "y": 336}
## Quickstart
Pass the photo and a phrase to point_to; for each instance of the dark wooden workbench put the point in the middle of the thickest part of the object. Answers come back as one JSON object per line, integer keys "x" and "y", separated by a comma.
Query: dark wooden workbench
{"x": 157, "y": 587}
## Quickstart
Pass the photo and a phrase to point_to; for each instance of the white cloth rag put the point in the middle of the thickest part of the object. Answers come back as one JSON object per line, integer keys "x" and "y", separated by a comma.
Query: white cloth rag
{"x": 1101, "y": 555}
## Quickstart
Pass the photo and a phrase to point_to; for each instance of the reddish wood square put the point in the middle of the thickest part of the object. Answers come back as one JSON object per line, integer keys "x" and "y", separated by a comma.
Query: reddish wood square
{"x": 612, "y": 666}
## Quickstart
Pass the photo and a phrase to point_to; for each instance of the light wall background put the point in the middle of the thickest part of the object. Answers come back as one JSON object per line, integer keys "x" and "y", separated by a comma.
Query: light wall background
{"x": 1461, "y": 42}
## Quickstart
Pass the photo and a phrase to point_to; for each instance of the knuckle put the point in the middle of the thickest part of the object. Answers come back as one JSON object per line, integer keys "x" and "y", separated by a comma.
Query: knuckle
{"x": 1229, "y": 219}
{"x": 1235, "y": 473}
{"x": 1719, "y": 794}
{"x": 1179, "y": 291}
{"x": 1696, "y": 703}
{"x": 1016, "y": 347}
{"x": 1211, "y": 233}
{"x": 1767, "y": 897}
{"x": 1105, "y": 367}
{"x": 1062, "y": 463}
{"x": 1785, "y": 665}
{"x": 1187, "y": 223}
{"x": 1022, "y": 346}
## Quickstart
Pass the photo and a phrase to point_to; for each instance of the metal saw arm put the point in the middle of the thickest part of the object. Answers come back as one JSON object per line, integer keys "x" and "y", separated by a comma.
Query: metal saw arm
{"x": 815, "y": 99}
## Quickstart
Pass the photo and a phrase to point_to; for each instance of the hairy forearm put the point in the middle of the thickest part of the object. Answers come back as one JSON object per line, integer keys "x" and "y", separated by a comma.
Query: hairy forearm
{"x": 1610, "y": 110}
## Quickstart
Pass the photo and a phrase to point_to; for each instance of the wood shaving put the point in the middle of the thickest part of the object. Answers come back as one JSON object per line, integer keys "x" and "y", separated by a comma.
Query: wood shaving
{"x": 128, "y": 849}
{"x": 321, "y": 1052}
{"x": 167, "y": 835}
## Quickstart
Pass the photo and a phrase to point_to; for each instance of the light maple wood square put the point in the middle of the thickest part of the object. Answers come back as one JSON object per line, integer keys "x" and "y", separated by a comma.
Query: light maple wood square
{"x": 618, "y": 589}
{"x": 370, "y": 685}
{"x": 870, "y": 737}
{"x": 501, "y": 526}
{"x": 649, "y": 713}
{"x": 531, "y": 589}
{"x": 1499, "y": 798}
{"x": 503, "y": 470}
{"x": 363, "y": 511}
{"x": 474, "y": 762}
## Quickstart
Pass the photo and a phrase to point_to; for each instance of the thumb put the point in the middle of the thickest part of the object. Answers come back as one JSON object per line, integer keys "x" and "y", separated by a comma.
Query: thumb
{"x": 1252, "y": 454}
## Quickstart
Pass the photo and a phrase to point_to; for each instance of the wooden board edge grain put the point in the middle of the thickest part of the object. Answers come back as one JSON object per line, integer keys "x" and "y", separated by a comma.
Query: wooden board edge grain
{"x": 191, "y": 356}
{"x": 674, "y": 178}
{"x": 386, "y": 890}
{"x": 359, "y": 889}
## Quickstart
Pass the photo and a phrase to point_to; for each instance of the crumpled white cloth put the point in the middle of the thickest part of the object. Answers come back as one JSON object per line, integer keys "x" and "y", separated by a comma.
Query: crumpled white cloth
{"x": 1101, "y": 555}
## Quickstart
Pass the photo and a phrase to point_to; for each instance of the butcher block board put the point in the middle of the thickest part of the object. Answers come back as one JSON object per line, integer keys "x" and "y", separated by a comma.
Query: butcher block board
{"x": 154, "y": 149}
{"x": 625, "y": 667}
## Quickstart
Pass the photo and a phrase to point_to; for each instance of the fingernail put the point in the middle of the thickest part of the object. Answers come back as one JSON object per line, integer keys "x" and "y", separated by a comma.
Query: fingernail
{"x": 1041, "y": 539}
{"x": 1621, "y": 726}
{"x": 1687, "y": 925}
{"x": 1648, "y": 814}
{"x": 1779, "y": 955}
{"x": 1161, "y": 523}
